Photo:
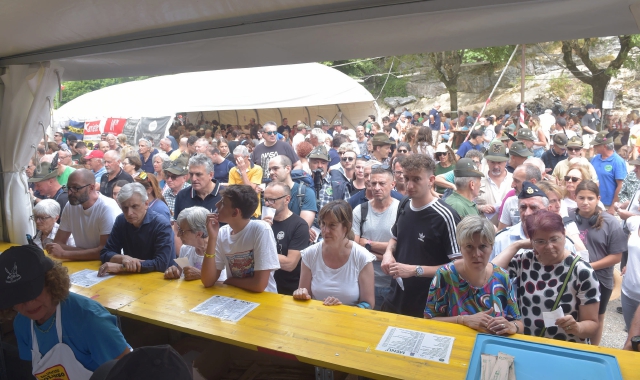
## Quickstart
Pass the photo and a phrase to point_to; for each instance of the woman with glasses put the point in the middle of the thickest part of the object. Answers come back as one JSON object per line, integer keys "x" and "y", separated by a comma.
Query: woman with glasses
{"x": 540, "y": 273}
{"x": 337, "y": 270}
{"x": 574, "y": 177}
{"x": 602, "y": 234}
{"x": 155, "y": 198}
{"x": 471, "y": 291}
{"x": 45, "y": 214}
{"x": 403, "y": 149}
{"x": 131, "y": 165}
{"x": 192, "y": 230}
{"x": 446, "y": 161}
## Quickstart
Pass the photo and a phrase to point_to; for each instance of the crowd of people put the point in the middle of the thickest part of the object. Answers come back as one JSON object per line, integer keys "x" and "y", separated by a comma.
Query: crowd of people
{"x": 490, "y": 233}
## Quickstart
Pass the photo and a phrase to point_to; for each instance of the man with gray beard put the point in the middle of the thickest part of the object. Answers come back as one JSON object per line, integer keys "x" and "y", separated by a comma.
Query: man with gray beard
{"x": 497, "y": 183}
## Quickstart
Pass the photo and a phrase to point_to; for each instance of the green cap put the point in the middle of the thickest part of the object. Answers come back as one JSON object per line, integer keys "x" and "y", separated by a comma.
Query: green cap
{"x": 179, "y": 166}
{"x": 496, "y": 152}
{"x": 466, "y": 168}
{"x": 46, "y": 172}
{"x": 601, "y": 138}
{"x": 525, "y": 134}
{"x": 519, "y": 149}
{"x": 381, "y": 138}
{"x": 560, "y": 140}
{"x": 319, "y": 152}
{"x": 575, "y": 142}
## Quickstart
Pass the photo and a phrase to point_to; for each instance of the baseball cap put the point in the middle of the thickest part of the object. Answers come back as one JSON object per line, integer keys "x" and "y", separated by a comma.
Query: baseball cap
{"x": 465, "y": 168}
{"x": 407, "y": 114}
{"x": 496, "y": 152}
{"x": 179, "y": 166}
{"x": 529, "y": 190}
{"x": 319, "y": 152}
{"x": 46, "y": 172}
{"x": 525, "y": 134}
{"x": 519, "y": 149}
{"x": 560, "y": 140}
{"x": 589, "y": 106}
{"x": 442, "y": 148}
{"x": 381, "y": 138}
{"x": 575, "y": 142}
{"x": 94, "y": 154}
{"x": 152, "y": 362}
{"x": 22, "y": 279}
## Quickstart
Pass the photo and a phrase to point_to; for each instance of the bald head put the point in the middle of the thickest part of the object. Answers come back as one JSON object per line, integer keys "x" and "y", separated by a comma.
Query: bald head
{"x": 82, "y": 175}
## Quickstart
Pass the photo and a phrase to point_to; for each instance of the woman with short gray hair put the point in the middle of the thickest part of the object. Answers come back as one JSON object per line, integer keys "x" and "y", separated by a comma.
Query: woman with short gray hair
{"x": 192, "y": 229}
{"x": 45, "y": 214}
{"x": 471, "y": 291}
{"x": 160, "y": 162}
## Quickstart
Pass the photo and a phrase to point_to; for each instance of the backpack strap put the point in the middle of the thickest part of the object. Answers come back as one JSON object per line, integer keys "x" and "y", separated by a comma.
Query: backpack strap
{"x": 401, "y": 206}
{"x": 364, "y": 211}
{"x": 562, "y": 289}
{"x": 302, "y": 191}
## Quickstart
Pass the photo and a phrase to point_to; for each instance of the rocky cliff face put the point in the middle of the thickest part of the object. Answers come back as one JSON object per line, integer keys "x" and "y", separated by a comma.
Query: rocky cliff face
{"x": 546, "y": 79}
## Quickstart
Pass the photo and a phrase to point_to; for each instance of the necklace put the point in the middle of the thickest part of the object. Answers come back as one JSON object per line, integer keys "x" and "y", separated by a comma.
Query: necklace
{"x": 48, "y": 328}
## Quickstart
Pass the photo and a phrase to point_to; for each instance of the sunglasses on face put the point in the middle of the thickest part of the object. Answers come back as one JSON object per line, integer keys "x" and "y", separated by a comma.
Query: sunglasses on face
{"x": 440, "y": 154}
{"x": 271, "y": 133}
{"x": 170, "y": 176}
{"x": 572, "y": 179}
{"x": 345, "y": 159}
{"x": 403, "y": 151}
{"x": 574, "y": 149}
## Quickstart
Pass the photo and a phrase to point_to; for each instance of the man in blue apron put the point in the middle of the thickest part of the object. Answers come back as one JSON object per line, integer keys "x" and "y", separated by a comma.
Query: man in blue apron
{"x": 64, "y": 335}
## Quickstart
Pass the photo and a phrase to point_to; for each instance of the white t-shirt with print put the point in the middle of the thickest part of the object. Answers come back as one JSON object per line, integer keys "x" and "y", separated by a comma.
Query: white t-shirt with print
{"x": 87, "y": 225}
{"x": 250, "y": 250}
{"x": 341, "y": 283}
{"x": 195, "y": 260}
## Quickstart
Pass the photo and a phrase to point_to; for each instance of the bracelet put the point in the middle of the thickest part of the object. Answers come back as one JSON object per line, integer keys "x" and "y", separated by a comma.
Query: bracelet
{"x": 517, "y": 327}
{"x": 209, "y": 256}
{"x": 364, "y": 305}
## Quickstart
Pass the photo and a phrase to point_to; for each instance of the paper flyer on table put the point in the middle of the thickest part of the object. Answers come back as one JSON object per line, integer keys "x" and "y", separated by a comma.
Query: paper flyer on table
{"x": 87, "y": 278}
{"x": 549, "y": 317}
{"x": 225, "y": 308}
{"x": 417, "y": 344}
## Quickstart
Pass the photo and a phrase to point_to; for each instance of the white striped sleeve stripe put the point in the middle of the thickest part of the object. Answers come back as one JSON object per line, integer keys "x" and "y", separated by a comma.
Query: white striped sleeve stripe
{"x": 451, "y": 227}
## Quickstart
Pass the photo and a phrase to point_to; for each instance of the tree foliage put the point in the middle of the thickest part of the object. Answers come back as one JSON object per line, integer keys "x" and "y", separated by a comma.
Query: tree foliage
{"x": 600, "y": 73}
{"x": 73, "y": 89}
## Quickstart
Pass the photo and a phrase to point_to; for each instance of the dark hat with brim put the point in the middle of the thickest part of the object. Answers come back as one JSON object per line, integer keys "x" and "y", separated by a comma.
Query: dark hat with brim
{"x": 575, "y": 142}
{"x": 601, "y": 139}
{"x": 22, "y": 274}
{"x": 466, "y": 168}
{"x": 178, "y": 167}
{"x": 560, "y": 140}
{"x": 380, "y": 139}
{"x": 496, "y": 152}
{"x": 519, "y": 149}
{"x": 525, "y": 134}
{"x": 529, "y": 190}
{"x": 151, "y": 362}
{"x": 46, "y": 172}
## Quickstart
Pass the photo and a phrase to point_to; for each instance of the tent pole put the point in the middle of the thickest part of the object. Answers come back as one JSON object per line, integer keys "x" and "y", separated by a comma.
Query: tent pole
{"x": 237, "y": 118}
{"x": 281, "y": 118}
{"x": 308, "y": 116}
{"x": 219, "y": 121}
{"x": 257, "y": 116}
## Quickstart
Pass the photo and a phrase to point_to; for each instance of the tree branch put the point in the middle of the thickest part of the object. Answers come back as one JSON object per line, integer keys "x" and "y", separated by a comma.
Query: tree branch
{"x": 567, "y": 57}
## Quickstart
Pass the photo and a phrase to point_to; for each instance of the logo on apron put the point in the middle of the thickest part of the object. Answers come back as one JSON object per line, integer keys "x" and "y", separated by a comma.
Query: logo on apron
{"x": 56, "y": 372}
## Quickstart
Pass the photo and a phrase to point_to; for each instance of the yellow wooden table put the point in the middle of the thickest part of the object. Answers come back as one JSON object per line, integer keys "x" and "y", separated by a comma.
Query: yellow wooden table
{"x": 119, "y": 290}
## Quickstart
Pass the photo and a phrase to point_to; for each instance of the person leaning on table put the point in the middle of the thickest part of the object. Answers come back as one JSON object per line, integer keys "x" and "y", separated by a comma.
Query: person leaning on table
{"x": 472, "y": 291}
{"x": 540, "y": 273}
{"x": 337, "y": 270}
{"x": 74, "y": 335}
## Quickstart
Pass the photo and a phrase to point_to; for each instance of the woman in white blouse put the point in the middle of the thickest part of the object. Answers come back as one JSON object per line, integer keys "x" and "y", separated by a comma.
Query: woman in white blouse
{"x": 337, "y": 270}
{"x": 45, "y": 214}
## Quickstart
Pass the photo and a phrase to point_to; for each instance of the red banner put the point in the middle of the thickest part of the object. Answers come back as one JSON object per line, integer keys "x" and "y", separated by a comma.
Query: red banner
{"x": 92, "y": 128}
{"x": 114, "y": 126}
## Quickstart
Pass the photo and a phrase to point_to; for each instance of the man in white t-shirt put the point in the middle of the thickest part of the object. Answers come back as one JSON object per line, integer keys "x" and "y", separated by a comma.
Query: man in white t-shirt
{"x": 245, "y": 248}
{"x": 89, "y": 216}
{"x": 303, "y": 131}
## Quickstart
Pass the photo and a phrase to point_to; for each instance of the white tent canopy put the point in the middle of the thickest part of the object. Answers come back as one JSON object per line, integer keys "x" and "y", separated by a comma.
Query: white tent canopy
{"x": 298, "y": 92}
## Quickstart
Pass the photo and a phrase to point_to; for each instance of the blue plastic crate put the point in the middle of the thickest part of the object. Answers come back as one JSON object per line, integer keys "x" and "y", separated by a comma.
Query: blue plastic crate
{"x": 535, "y": 361}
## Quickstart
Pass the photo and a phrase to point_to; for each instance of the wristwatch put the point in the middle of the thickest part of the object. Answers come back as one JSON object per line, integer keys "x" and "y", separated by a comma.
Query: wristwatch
{"x": 635, "y": 342}
{"x": 367, "y": 245}
{"x": 419, "y": 271}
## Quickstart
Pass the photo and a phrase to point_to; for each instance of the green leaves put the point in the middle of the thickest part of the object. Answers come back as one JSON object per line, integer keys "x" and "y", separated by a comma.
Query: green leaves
{"x": 74, "y": 89}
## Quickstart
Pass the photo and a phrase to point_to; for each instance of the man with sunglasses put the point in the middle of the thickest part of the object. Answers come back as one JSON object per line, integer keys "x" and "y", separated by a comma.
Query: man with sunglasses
{"x": 176, "y": 178}
{"x": 574, "y": 151}
{"x": 89, "y": 216}
{"x": 272, "y": 147}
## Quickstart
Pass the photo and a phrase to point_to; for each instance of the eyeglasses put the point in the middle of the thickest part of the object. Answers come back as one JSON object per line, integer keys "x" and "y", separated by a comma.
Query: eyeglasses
{"x": 39, "y": 218}
{"x": 574, "y": 149}
{"x": 438, "y": 154}
{"x": 345, "y": 159}
{"x": 72, "y": 189}
{"x": 572, "y": 179}
{"x": 271, "y": 133}
{"x": 543, "y": 243}
{"x": 273, "y": 200}
{"x": 403, "y": 151}
{"x": 385, "y": 167}
{"x": 181, "y": 231}
{"x": 170, "y": 176}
